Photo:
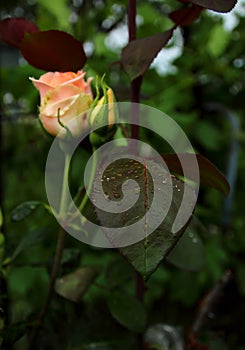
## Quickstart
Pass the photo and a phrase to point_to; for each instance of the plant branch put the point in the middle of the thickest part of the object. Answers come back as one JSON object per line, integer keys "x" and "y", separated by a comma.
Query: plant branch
{"x": 57, "y": 258}
{"x": 135, "y": 87}
{"x": 209, "y": 301}
{"x": 136, "y": 83}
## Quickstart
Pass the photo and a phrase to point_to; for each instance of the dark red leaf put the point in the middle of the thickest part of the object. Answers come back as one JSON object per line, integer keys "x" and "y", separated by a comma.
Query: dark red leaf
{"x": 12, "y": 30}
{"x": 216, "y": 5}
{"x": 186, "y": 15}
{"x": 53, "y": 50}
{"x": 139, "y": 54}
{"x": 209, "y": 174}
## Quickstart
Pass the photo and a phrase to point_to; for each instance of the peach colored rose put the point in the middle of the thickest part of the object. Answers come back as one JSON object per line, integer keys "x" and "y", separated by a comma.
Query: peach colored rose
{"x": 67, "y": 95}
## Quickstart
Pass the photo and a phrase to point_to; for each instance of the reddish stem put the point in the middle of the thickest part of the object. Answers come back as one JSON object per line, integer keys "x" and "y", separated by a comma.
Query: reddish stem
{"x": 132, "y": 19}
{"x": 135, "y": 98}
{"x": 136, "y": 83}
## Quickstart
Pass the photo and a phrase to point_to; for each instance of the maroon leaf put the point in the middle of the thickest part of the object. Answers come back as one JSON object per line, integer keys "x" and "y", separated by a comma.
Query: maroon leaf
{"x": 139, "y": 54}
{"x": 12, "y": 30}
{"x": 53, "y": 50}
{"x": 209, "y": 174}
{"x": 186, "y": 15}
{"x": 216, "y": 5}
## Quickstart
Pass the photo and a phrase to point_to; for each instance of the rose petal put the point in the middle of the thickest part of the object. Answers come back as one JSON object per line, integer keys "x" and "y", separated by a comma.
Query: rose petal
{"x": 52, "y": 80}
{"x": 72, "y": 112}
{"x": 47, "y": 78}
{"x": 51, "y": 109}
{"x": 60, "y": 93}
{"x": 42, "y": 87}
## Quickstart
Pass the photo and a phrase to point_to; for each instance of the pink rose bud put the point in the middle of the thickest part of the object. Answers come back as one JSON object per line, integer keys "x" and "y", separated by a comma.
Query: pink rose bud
{"x": 65, "y": 99}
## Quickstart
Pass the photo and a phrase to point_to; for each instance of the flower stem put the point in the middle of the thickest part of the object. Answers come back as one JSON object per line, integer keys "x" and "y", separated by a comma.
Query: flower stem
{"x": 64, "y": 194}
{"x": 57, "y": 258}
{"x": 90, "y": 184}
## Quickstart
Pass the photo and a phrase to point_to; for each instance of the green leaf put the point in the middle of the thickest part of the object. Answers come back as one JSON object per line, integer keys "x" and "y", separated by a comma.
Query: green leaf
{"x": 128, "y": 311}
{"x": 1, "y": 218}
{"x": 189, "y": 252}
{"x": 209, "y": 174}
{"x": 26, "y": 208}
{"x": 118, "y": 273}
{"x": 218, "y": 40}
{"x": 59, "y": 9}
{"x": 2, "y": 241}
{"x": 74, "y": 285}
{"x": 33, "y": 238}
{"x": 139, "y": 54}
{"x": 15, "y": 331}
{"x": 216, "y": 5}
{"x": 145, "y": 255}
{"x": 208, "y": 135}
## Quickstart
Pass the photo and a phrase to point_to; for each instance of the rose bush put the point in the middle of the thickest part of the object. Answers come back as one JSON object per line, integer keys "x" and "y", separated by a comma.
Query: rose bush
{"x": 65, "y": 98}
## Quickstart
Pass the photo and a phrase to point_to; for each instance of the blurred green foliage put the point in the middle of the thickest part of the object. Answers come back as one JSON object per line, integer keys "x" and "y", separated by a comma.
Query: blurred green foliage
{"x": 209, "y": 68}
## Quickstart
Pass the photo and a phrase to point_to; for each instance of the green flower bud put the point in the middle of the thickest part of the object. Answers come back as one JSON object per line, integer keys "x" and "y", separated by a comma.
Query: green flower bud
{"x": 104, "y": 111}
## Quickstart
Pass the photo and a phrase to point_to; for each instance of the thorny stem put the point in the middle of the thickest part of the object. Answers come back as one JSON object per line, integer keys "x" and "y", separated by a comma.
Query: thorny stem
{"x": 57, "y": 257}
